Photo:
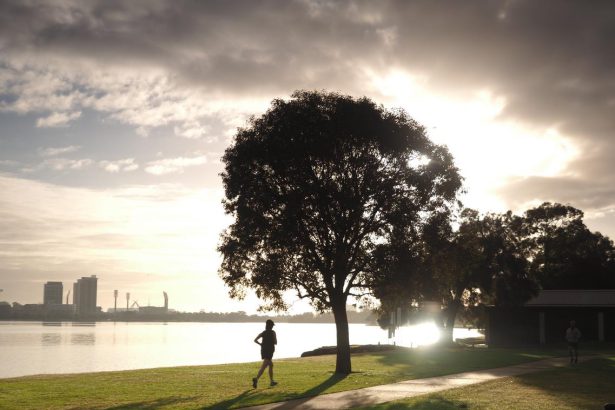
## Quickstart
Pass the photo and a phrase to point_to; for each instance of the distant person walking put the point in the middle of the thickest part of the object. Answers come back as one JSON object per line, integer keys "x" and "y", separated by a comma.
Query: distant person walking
{"x": 268, "y": 342}
{"x": 573, "y": 334}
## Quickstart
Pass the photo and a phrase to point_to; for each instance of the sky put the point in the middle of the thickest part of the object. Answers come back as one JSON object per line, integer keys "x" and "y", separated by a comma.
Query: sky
{"x": 114, "y": 116}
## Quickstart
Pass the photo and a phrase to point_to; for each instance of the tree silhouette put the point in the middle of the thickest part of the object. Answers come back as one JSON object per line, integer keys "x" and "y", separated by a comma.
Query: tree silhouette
{"x": 315, "y": 185}
{"x": 481, "y": 262}
{"x": 564, "y": 253}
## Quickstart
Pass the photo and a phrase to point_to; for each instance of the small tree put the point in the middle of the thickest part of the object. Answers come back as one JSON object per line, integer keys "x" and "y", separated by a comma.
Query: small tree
{"x": 482, "y": 262}
{"x": 314, "y": 185}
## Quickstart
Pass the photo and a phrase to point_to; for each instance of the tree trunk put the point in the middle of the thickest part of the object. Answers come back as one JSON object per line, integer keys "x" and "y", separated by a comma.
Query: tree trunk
{"x": 342, "y": 363}
{"x": 449, "y": 322}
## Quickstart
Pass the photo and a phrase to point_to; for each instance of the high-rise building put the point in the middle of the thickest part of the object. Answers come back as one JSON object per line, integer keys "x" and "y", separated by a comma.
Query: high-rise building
{"x": 84, "y": 294}
{"x": 53, "y": 293}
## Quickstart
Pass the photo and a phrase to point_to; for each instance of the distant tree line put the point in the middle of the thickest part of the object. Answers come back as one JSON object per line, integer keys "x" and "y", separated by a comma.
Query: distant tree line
{"x": 354, "y": 316}
{"x": 366, "y": 316}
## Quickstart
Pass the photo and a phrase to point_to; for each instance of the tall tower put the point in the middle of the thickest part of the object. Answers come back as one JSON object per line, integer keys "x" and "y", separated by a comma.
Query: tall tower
{"x": 127, "y": 300}
{"x": 52, "y": 294}
{"x": 115, "y": 303}
{"x": 84, "y": 294}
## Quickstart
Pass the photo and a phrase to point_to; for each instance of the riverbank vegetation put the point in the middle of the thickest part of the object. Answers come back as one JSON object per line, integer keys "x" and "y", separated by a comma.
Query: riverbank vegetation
{"x": 37, "y": 313}
{"x": 229, "y": 386}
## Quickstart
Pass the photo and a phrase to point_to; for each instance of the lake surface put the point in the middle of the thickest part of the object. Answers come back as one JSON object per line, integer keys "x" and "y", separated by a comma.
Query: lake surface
{"x": 28, "y": 348}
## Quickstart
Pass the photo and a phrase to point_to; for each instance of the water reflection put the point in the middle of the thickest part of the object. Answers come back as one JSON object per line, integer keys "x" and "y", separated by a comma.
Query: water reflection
{"x": 52, "y": 347}
{"x": 50, "y": 339}
{"x": 421, "y": 334}
{"x": 83, "y": 339}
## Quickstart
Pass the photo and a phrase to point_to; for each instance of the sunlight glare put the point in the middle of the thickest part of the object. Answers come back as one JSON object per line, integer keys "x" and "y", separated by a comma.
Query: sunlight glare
{"x": 417, "y": 335}
{"x": 489, "y": 148}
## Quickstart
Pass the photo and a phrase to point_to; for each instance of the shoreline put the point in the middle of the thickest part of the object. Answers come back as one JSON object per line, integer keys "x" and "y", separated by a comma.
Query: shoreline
{"x": 229, "y": 385}
{"x": 315, "y": 353}
{"x": 320, "y": 351}
{"x": 164, "y": 321}
{"x": 31, "y": 347}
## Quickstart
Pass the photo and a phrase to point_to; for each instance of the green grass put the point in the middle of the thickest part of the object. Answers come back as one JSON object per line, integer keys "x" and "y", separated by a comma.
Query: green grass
{"x": 588, "y": 385}
{"x": 229, "y": 386}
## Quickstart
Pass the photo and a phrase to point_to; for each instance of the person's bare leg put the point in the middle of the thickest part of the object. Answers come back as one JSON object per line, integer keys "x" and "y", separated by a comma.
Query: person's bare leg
{"x": 271, "y": 371}
{"x": 266, "y": 363}
{"x": 260, "y": 373}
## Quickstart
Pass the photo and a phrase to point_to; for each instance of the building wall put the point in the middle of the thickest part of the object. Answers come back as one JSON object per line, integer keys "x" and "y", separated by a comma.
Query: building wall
{"x": 76, "y": 294}
{"x": 558, "y": 320}
{"x": 512, "y": 326}
{"x": 521, "y": 326}
{"x": 52, "y": 293}
{"x": 5, "y": 310}
{"x": 84, "y": 295}
{"x": 609, "y": 326}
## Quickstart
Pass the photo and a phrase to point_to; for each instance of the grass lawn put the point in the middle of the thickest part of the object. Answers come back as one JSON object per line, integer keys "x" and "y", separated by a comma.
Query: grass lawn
{"x": 588, "y": 385}
{"x": 229, "y": 386}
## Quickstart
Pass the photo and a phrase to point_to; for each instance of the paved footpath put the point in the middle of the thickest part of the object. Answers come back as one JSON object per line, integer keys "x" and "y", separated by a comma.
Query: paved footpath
{"x": 410, "y": 388}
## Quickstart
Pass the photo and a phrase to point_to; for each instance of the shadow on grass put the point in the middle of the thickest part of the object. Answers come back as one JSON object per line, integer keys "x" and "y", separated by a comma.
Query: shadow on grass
{"x": 309, "y": 394}
{"x": 250, "y": 397}
{"x": 431, "y": 403}
{"x": 428, "y": 361}
{"x": 437, "y": 360}
{"x": 586, "y": 385}
{"x": 154, "y": 404}
{"x": 227, "y": 404}
{"x": 583, "y": 386}
{"x": 330, "y": 382}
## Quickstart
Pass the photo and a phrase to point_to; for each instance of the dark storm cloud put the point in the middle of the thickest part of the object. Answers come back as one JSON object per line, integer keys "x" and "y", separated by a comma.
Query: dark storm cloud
{"x": 553, "y": 62}
{"x": 224, "y": 46}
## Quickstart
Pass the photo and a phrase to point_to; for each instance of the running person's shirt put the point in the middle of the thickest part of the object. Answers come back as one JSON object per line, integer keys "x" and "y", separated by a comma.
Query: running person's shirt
{"x": 269, "y": 340}
{"x": 573, "y": 334}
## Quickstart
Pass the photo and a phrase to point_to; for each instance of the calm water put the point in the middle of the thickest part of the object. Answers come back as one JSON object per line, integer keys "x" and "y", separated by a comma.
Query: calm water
{"x": 28, "y": 348}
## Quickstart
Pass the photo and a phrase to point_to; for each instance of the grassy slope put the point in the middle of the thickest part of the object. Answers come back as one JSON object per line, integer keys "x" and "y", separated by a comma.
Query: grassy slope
{"x": 228, "y": 386}
{"x": 588, "y": 385}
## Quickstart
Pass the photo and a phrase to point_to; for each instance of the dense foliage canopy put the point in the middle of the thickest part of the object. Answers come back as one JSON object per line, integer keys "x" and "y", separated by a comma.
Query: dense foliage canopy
{"x": 316, "y": 185}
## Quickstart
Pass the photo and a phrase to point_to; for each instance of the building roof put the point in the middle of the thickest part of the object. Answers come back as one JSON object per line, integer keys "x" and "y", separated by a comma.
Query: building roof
{"x": 574, "y": 297}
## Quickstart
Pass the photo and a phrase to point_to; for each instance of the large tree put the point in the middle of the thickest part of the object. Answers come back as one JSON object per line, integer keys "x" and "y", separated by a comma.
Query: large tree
{"x": 314, "y": 185}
